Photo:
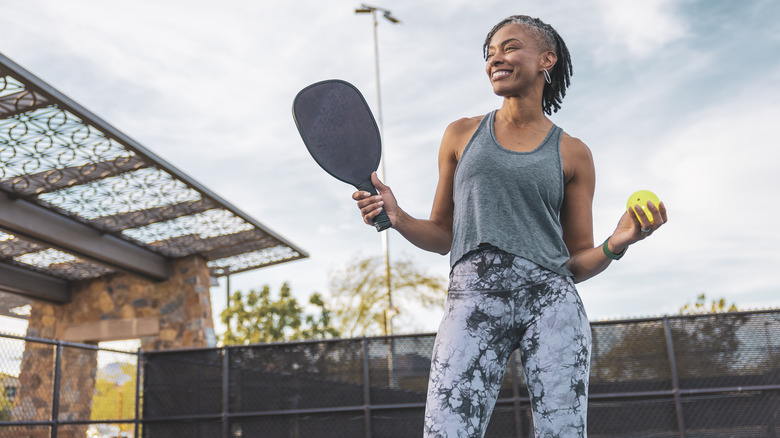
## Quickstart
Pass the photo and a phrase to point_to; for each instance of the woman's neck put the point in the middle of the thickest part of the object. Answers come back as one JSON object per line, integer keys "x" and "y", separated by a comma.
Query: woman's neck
{"x": 521, "y": 112}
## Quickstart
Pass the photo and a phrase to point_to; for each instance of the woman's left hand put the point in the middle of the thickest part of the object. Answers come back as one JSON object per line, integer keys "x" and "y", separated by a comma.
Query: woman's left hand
{"x": 632, "y": 229}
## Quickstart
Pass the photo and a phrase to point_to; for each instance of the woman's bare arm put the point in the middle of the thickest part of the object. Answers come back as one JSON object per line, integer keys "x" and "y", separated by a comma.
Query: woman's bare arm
{"x": 435, "y": 233}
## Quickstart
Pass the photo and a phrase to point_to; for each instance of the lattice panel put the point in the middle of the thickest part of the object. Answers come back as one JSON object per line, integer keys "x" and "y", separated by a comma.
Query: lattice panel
{"x": 79, "y": 167}
{"x": 140, "y": 190}
{"x": 246, "y": 261}
{"x": 52, "y": 139}
{"x": 9, "y": 86}
{"x": 41, "y": 258}
{"x": 15, "y": 99}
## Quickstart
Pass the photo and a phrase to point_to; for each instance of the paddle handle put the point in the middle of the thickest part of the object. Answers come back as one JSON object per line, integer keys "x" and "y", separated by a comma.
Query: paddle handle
{"x": 381, "y": 221}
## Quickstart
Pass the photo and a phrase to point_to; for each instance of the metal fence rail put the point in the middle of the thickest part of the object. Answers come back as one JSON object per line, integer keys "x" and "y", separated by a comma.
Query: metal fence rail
{"x": 55, "y": 389}
{"x": 682, "y": 376}
{"x": 712, "y": 375}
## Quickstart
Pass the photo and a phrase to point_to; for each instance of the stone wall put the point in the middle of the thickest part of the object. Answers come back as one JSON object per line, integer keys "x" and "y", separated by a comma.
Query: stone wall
{"x": 175, "y": 313}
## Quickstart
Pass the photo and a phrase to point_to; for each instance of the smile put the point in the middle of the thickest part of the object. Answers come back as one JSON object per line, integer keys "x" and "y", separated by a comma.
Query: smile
{"x": 499, "y": 74}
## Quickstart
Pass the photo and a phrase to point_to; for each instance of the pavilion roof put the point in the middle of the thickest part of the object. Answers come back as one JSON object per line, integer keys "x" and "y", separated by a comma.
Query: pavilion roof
{"x": 80, "y": 199}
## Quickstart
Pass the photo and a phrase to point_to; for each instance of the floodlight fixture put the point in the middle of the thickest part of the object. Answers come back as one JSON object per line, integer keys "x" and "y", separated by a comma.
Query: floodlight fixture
{"x": 368, "y": 9}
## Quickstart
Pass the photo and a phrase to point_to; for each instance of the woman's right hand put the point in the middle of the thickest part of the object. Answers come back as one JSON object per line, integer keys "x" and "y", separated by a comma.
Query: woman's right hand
{"x": 370, "y": 206}
{"x": 631, "y": 228}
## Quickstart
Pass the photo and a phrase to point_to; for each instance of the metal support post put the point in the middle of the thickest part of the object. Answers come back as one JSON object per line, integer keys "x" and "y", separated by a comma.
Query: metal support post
{"x": 366, "y": 390}
{"x": 55, "y": 405}
{"x": 675, "y": 378}
{"x": 137, "y": 419}
{"x": 225, "y": 392}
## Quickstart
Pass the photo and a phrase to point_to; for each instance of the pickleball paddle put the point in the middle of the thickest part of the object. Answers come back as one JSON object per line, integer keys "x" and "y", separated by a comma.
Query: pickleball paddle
{"x": 340, "y": 132}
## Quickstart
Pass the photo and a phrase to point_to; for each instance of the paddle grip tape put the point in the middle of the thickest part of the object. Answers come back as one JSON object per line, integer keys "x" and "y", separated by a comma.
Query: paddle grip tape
{"x": 381, "y": 221}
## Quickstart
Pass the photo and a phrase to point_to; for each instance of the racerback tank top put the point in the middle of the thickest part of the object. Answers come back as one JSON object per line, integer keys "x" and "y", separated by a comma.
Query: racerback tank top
{"x": 511, "y": 200}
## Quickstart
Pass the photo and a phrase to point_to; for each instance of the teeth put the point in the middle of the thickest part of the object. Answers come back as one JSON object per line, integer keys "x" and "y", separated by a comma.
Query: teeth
{"x": 500, "y": 74}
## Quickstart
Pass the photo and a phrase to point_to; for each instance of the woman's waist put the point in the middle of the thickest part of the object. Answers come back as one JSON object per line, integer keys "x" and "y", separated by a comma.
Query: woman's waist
{"x": 489, "y": 268}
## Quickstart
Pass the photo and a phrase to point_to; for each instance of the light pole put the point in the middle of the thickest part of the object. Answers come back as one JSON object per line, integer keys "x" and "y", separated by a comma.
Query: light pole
{"x": 366, "y": 9}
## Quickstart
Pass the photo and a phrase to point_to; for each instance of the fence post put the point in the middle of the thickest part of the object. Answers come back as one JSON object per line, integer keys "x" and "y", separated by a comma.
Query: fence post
{"x": 366, "y": 390}
{"x": 225, "y": 392}
{"x": 55, "y": 405}
{"x": 138, "y": 363}
{"x": 675, "y": 378}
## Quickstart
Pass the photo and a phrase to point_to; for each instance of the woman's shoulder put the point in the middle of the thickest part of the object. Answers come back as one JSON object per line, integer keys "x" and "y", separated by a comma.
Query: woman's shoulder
{"x": 573, "y": 145}
{"x": 464, "y": 126}
{"x": 577, "y": 157}
{"x": 458, "y": 134}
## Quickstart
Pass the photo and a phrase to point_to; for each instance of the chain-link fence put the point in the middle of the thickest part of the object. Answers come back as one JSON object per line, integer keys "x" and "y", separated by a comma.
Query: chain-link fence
{"x": 59, "y": 389}
{"x": 683, "y": 376}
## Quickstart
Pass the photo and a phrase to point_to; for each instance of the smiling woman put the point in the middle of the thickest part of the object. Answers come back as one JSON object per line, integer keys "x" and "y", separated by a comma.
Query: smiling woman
{"x": 513, "y": 207}
{"x": 546, "y": 39}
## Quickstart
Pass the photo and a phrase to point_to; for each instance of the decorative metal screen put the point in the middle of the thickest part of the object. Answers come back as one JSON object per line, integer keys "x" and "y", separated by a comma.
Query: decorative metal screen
{"x": 57, "y": 155}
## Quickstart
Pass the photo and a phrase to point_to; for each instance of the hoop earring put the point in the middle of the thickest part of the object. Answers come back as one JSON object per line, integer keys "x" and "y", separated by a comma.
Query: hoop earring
{"x": 547, "y": 76}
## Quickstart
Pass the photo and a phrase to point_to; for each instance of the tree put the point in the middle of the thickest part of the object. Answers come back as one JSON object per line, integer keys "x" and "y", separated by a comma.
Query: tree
{"x": 717, "y": 306}
{"x": 704, "y": 344}
{"x": 115, "y": 394}
{"x": 631, "y": 351}
{"x": 5, "y": 401}
{"x": 255, "y": 318}
{"x": 359, "y": 293}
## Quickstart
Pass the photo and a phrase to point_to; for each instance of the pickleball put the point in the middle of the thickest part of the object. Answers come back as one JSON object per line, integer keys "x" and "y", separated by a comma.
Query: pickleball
{"x": 641, "y": 197}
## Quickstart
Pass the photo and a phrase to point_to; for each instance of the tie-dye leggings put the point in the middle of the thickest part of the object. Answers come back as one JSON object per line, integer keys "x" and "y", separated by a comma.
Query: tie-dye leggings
{"x": 497, "y": 303}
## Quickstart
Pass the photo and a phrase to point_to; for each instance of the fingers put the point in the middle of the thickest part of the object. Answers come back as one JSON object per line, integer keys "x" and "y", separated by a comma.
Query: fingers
{"x": 371, "y": 210}
{"x": 635, "y": 224}
{"x": 368, "y": 218}
{"x": 649, "y": 223}
{"x": 369, "y": 206}
{"x": 357, "y": 196}
{"x": 659, "y": 214}
{"x": 376, "y": 182}
{"x": 641, "y": 215}
{"x": 367, "y": 203}
{"x": 662, "y": 210}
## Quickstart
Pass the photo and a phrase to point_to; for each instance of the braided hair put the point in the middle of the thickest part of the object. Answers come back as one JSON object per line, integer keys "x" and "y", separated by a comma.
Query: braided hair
{"x": 548, "y": 39}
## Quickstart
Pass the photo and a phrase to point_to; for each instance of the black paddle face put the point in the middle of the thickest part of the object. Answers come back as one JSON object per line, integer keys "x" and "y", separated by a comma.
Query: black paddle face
{"x": 338, "y": 129}
{"x": 340, "y": 132}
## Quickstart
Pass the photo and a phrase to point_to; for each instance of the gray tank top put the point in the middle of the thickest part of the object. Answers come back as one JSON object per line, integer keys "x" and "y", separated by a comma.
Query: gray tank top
{"x": 511, "y": 200}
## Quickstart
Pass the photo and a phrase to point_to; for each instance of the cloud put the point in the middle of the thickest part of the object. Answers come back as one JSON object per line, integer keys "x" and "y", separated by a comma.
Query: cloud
{"x": 641, "y": 28}
{"x": 660, "y": 94}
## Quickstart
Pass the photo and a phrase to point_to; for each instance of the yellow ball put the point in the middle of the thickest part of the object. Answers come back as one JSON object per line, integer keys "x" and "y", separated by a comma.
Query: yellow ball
{"x": 640, "y": 198}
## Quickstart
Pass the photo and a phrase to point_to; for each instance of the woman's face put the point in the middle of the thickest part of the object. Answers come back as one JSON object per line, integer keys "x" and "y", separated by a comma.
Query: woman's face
{"x": 514, "y": 60}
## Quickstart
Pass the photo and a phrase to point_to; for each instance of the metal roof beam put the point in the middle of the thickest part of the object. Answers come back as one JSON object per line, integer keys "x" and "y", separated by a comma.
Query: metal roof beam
{"x": 55, "y": 179}
{"x": 21, "y": 102}
{"x": 42, "y": 225}
{"x": 204, "y": 245}
{"x": 241, "y": 248}
{"x": 32, "y": 284}
{"x": 142, "y": 218}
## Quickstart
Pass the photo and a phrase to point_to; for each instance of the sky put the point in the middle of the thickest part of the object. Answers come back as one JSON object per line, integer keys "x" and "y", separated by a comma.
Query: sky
{"x": 676, "y": 96}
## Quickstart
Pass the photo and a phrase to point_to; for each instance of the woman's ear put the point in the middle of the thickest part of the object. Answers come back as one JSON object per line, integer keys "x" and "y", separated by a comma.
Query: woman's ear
{"x": 549, "y": 58}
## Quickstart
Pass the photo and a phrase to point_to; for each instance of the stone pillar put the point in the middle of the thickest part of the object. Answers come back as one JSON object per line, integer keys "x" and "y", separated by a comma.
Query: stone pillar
{"x": 182, "y": 305}
{"x": 175, "y": 313}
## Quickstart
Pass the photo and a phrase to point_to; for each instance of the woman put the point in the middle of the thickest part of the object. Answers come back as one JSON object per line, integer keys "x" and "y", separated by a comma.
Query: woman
{"x": 513, "y": 206}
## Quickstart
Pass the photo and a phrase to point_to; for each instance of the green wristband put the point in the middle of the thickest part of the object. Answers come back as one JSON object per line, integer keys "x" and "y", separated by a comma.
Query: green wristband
{"x": 611, "y": 254}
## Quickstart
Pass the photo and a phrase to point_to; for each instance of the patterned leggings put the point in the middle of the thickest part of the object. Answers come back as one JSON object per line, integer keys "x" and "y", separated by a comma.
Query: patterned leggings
{"x": 497, "y": 303}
